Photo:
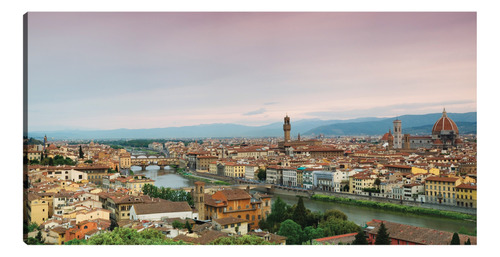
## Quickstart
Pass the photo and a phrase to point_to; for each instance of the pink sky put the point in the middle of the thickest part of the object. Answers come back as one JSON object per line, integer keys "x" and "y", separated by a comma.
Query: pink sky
{"x": 105, "y": 70}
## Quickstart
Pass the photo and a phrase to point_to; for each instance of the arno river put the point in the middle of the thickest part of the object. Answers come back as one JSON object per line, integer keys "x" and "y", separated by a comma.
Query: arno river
{"x": 357, "y": 214}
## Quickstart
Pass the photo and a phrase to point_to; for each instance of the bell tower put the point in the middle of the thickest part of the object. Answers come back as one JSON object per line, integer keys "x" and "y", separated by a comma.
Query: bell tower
{"x": 398, "y": 137}
{"x": 286, "y": 128}
{"x": 199, "y": 199}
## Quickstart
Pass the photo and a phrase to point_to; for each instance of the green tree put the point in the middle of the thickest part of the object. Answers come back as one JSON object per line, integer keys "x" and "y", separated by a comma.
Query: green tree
{"x": 336, "y": 214}
{"x": 128, "y": 236}
{"x": 32, "y": 241}
{"x": 311, "y": 233}
{"x": 188, "y": 226}
{"x": 360, "y": 239}
{"x": 177, "y": 224}
{"x": 76, "y": 242}
{"x": 377, "y": 183}
{"x": 334, "y": 226}
{"x": 29, "y": 227}
{"x": 300, "y": 214}
{"x": 39, "y": 237}
{"x": 292, "y": 231}
{"x": 455, "y": 240}
{"x": 240, "y": 240}
{"x": 261, "y": 175}
{"x": 382, "y": 236}
{"x": 467, "y": 242}
{"x": 80, "y": 152}
{"x": 279, "y": 213}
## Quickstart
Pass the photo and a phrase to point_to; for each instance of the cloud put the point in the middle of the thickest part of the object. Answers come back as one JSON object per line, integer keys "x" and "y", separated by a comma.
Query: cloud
{"x": 259, "y": 111}
{"x": 270, "y": 103}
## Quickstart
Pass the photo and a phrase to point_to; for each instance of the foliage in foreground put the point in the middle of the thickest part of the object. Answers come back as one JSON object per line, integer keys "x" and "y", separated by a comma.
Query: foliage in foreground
{"x": 301, "y": 226}
{"x": 128, "y": 236}
{"x": 243, "y": 240}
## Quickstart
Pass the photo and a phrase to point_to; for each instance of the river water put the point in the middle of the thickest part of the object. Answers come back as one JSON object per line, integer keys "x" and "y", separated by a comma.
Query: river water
{"x": 357, "y": 214}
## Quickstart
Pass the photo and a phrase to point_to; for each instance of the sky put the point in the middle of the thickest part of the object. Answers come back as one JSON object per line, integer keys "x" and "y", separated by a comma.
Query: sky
{"x": 99, "y": 70}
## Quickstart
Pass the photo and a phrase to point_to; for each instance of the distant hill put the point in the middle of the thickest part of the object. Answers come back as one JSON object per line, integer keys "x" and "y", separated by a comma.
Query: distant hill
{"x": 310, "y": 127}
{"x": 411, "y": 124}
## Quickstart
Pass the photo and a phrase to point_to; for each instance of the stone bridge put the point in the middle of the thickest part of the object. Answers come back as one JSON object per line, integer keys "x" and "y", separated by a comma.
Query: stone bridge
{"x": 146, "y": 160}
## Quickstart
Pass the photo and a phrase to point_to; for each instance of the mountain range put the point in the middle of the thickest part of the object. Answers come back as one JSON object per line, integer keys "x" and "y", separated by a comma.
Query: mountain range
{"x": 411, "y": 124}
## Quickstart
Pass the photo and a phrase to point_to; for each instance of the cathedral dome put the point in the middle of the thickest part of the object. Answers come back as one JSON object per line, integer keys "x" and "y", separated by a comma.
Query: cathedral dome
{"x": 444, "y": 124}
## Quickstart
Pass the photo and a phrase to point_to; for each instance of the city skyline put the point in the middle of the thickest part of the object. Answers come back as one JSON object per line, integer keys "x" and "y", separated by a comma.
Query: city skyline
{"x": 152, "y": 70}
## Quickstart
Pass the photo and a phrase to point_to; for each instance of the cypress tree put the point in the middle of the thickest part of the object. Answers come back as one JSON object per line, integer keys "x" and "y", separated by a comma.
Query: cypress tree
{"x": 468, "y": 242}
{"x": 189, "y": 227}
{"x": 455, "y": 240}
{"x": 299, "y": 214}
{"x": 360, "y": 239}
{"x": 382, "y": 236}
{"x": 81, "y": 152}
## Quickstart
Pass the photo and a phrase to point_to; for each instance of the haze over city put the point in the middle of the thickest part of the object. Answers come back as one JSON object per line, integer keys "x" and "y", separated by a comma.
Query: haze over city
{"x": 152, "y": 70}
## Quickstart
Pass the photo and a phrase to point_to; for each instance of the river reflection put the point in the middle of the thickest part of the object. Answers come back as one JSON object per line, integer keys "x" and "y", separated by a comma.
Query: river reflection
{"x": 360, "y": 215}
{"x": 164, "y": 178}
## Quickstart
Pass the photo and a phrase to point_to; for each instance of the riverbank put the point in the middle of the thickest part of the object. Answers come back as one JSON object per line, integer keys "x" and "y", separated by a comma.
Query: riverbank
{"x": 395, "y": 207}
{"x": 189, "y": 175}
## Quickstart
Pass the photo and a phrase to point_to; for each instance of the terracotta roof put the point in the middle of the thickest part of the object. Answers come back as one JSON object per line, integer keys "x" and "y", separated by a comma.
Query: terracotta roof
{"x": 444, "y": 123}
{"x": 442, "y": 179}
{"x": 418, "y": 235}
{"x": 161, "y": 207}
{"x": 467, "y": 186}
{"x": 229, "y": 220}
{"x": 235, "y": 194}
{"x": 336, "y": 237}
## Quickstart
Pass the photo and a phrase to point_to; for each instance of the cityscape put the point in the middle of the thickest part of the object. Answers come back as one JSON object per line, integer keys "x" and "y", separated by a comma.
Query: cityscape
{"x": 259, "y": 128}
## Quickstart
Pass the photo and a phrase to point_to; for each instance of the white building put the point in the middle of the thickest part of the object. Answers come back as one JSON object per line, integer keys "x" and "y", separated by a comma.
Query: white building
{"x": 323, "y": 180}
{"x": 290, "y": 177}
{"x": 163, "y": 209}
{"x": 341, "y": 178}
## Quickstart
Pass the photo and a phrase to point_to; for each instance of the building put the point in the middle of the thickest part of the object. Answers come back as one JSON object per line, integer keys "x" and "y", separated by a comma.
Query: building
{"x": 323, "y": 180}
{"x": 236, "y": 226}
{"x": 270, "y": 237}
{"x": 445, "y": 132}
{"x": 398, "y": 136}
{"x": 203, "y": 162}
{"x": 125, "y": 161}
{"x": 162, "y": 209}
{"x": 307, "y": 178}
{"x": 237, "y": 203}
{"x": 234, "y": 170}
{"x": 94, "y": 173}
{"x": 466, "y": 195}
{"x": 290, "y": 177}
{"x": 288, "y": 143}
{"x": 441, "y": 190}
{"x": 401, "y": 234}
{"x": 37, "y": 209}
